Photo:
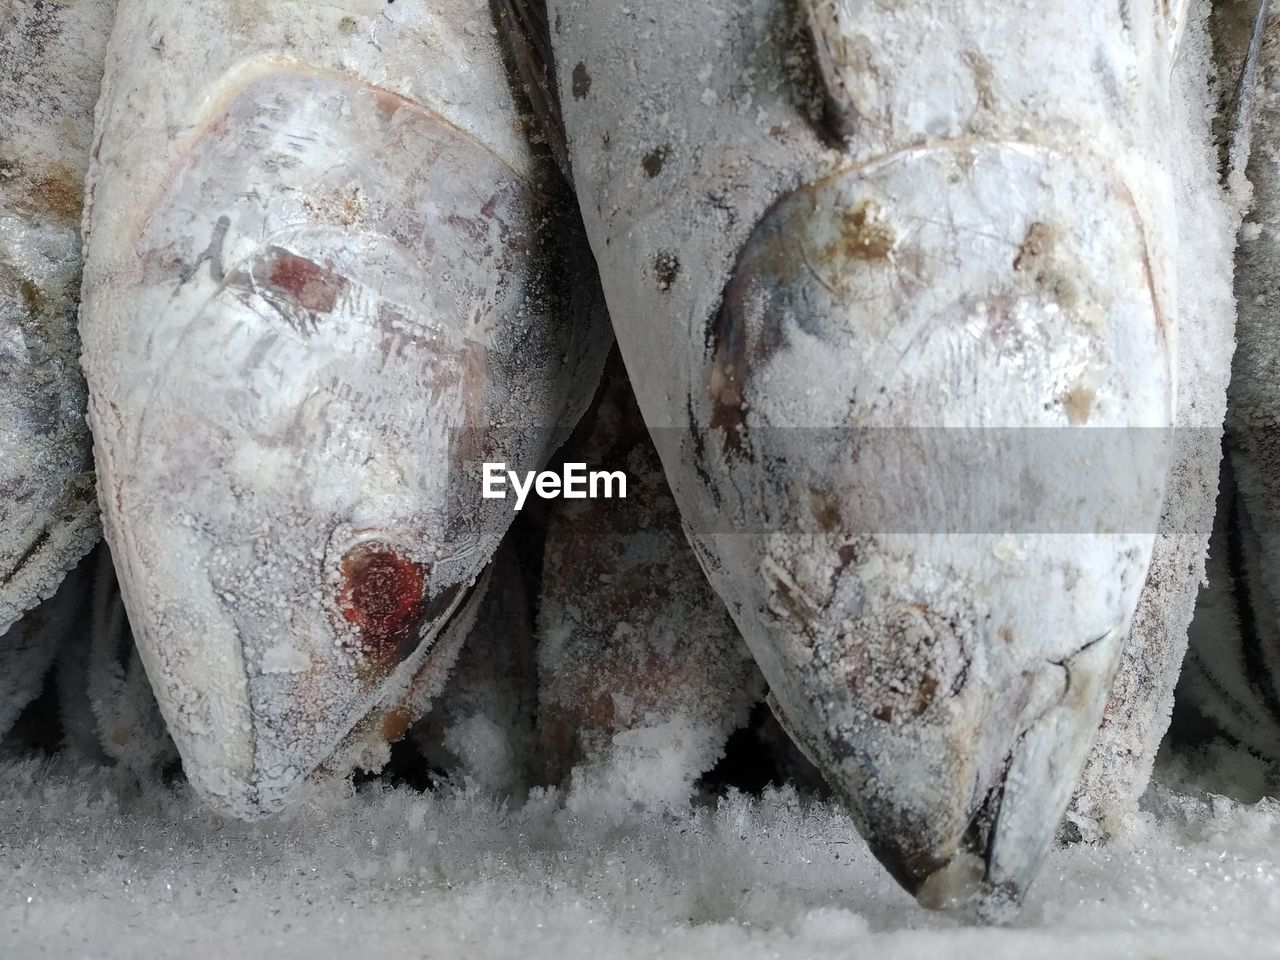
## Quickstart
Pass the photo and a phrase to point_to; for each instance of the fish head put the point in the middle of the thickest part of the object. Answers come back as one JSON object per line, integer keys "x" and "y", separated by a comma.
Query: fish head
{"x": 939, "y": 397}
{"x": 291, "y": 443}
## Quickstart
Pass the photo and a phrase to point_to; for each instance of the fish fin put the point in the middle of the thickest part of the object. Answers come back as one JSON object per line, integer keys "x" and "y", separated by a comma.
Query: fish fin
{"x": 830, "y": 47}
{"x": 526, "y": 35}
{"x": 1236, "y": 115}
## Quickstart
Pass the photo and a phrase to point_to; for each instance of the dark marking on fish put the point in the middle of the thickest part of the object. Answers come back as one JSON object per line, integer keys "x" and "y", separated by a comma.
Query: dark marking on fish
{"x": 863, "y": 235}
{"x": 32, "y": 298}
{"x": 1078, "y": 404}
{"x": 59, "y": 193}
{"x": 728, "y": 413}
{"x": 382, "y": 596}
{"x": 700, "y": 457}
{"x": 395, "y": 724}
{"x": 655, "y": 159}
{"x": 666, "y": 268}
{"x": 825, "y": 510}
{"x": 25, "y": 557}
{"x": 1126, "y": 15}
{"x": 525, "y": 41}
{"x": 980, "y": 67}
{"x": 580, "y": 81}
{"x": 388, "y": 103}
{"x": 212, "y": 254}
{"x": 310, "y": 285}
{"x": 1036, "y": 247}
{"x": 796, "y": 604}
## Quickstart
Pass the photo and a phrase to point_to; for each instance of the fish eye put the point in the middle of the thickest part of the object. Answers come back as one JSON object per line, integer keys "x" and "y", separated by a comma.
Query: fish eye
{"x": 382, "y": 595}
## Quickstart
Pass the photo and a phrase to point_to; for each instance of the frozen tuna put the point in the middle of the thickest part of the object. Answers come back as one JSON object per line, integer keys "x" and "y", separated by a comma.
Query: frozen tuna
{"x": 642, "y": 675}
{"x": 50, "y": 67}
{"x": 895, "y": 287}
{"x": 326, "y": 279}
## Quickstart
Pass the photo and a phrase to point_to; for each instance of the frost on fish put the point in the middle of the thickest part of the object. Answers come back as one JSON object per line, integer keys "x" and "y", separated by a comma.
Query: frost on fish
{"x": 1208, "y": 216}
{"x": 1233, "y": 667}
{"x": 480, "y": 727}
{"x": 642, "y": 675}
{"x": 50, "y": 67}
{"x": 106, "y": 704}
{"x": 28, "y": 647}
{"x": 895, "y": 287}
{"x": 325, "y": 280}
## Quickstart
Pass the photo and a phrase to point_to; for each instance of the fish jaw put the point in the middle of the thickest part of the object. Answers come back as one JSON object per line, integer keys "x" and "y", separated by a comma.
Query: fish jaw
{"x": 295, "y": 376}
{"x": 938, "y": 438}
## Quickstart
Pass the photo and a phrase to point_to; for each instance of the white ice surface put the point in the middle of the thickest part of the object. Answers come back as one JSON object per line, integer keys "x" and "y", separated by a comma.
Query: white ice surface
{"x": 92, "y": 867}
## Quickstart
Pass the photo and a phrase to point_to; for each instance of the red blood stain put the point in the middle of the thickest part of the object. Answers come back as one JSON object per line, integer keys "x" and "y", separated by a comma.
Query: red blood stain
{"x": 313, "y": 287}
{"x": 383, "y": 597}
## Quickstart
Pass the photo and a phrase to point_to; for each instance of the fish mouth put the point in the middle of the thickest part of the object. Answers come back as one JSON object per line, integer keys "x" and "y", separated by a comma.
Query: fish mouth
{"x": 271, "y": 767}
{"x": 934, "y": 554}
{"x": 1009, "y": 828}
{"x": 955, "y": 752}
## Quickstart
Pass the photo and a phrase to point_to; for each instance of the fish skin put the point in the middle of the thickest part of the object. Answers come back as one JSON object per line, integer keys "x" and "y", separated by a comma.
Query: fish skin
{"x": 297, "y": 365}
{"x": 1233, "y": 666}
{"x": 694, "y": 163}
{"x": 633, "y": 644}
{"x": 1208, "y": 210}
{"x": 51, "y": 59}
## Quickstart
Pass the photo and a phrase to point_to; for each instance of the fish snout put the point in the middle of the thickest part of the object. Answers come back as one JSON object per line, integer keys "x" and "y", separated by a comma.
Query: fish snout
{"x": 952, "y": 714}
{"x": 303, "y": 668}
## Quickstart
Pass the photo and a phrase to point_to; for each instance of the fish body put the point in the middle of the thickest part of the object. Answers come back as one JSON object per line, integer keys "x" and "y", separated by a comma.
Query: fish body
{"x": 51, "y": 57}
{"x": 325, "y": 280}
{"x": 899, "y": 311}
{"x": 642, "y": 675}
